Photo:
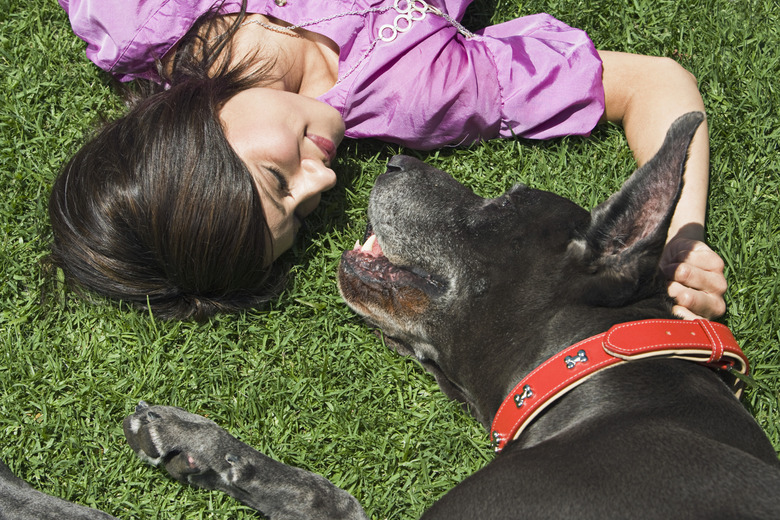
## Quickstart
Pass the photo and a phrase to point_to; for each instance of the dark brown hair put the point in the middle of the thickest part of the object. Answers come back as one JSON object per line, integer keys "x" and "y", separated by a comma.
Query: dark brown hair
{"x": 157, "y": 210}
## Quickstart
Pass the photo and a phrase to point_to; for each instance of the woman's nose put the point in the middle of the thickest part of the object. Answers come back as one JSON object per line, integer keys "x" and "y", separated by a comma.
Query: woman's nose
{"x": 318, "y": 176}
{"x": 315, "y": 178}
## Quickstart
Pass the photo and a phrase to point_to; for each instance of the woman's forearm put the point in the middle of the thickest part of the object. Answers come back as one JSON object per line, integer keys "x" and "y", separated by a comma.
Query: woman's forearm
{"x": 645, "y": 95}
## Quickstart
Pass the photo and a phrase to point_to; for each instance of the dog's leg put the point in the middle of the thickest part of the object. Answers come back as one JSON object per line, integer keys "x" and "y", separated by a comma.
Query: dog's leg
{"x": 196, "y": 451}
{"x": 19, "y": 501}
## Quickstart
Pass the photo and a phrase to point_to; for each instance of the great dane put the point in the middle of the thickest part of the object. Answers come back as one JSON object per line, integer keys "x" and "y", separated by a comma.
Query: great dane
{"x": 553, "y": 326}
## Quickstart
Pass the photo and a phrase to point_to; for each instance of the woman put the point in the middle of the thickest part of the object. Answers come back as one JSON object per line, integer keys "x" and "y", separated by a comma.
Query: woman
{"x": 183, "y": 204}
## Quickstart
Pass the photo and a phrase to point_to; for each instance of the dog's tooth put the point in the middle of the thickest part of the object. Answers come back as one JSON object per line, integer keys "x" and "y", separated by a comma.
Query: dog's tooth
{"x": 369, "y": 245}
{"x": 357, "y": 246}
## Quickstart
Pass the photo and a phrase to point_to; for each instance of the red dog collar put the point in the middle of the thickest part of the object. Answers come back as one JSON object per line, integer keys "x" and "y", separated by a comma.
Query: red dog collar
{"x": 705, "y": 342}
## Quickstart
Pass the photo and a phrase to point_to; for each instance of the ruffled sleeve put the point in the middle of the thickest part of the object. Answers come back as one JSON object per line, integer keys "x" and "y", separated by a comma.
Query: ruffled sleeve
{"x": 125, "y": 37}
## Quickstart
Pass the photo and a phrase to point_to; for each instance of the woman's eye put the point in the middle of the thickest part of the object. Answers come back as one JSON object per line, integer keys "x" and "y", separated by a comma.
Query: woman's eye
{"x": 284, "y": 188}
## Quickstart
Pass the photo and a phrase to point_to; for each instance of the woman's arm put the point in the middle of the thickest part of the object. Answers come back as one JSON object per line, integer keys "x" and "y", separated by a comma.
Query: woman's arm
{"x": 646, "y": 94}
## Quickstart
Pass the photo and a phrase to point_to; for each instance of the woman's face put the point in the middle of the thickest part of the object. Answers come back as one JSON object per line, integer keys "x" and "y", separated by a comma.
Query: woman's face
{"x": 288, "y": 142}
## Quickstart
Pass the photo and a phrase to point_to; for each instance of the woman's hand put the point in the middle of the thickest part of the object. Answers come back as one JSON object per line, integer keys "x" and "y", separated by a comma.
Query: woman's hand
{"x": 696, "y": 281}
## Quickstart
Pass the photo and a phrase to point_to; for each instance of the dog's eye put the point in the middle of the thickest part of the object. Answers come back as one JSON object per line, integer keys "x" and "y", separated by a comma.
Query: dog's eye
{"x": 498, "y": 204}
{"x": 503, "y": 202}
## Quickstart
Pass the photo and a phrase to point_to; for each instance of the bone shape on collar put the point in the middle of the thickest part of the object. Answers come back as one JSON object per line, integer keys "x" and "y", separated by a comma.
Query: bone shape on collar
{"x": 702, "y": 341}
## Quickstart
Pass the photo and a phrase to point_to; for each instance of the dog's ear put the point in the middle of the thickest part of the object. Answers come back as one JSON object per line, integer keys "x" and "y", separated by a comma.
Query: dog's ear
{"x": 627, "y": 233}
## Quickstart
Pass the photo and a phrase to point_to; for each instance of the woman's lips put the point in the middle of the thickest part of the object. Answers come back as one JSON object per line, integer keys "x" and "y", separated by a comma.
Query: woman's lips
{"x": 324, "y": 144}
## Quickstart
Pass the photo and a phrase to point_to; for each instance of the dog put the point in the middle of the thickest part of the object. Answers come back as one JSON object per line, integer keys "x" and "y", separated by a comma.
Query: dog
{"x": 552, "y": 325}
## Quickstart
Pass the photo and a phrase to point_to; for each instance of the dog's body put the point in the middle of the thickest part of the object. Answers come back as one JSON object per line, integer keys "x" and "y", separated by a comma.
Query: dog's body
{"x": 481, "y": 292}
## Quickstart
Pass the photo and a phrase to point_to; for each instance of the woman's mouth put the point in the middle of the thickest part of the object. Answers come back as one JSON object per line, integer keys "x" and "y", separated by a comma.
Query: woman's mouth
{"x": 324, "y": 144}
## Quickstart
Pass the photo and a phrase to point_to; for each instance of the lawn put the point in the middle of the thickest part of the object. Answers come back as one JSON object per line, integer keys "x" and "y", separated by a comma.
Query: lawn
{"x": 303, "y": 379}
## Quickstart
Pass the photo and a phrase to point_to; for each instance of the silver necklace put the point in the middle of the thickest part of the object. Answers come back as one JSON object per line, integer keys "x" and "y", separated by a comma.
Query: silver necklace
{"x": 409, "y": 12}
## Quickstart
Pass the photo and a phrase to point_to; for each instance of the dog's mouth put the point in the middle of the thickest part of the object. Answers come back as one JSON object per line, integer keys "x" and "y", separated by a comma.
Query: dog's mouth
{"x": 370, "y": 281}
{"x": 369, "y": 262}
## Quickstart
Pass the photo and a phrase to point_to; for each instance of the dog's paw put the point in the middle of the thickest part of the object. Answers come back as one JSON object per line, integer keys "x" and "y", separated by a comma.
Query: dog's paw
{"x": 193, "y": 449}
{"x": 196, "y": 451}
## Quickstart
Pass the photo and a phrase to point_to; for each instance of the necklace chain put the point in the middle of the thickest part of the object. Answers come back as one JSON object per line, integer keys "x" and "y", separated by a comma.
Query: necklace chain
{"x": 287, "y": 31}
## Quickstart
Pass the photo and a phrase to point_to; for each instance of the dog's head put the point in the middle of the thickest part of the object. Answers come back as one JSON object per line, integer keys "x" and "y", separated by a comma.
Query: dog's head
{"x": 481, "y": 290}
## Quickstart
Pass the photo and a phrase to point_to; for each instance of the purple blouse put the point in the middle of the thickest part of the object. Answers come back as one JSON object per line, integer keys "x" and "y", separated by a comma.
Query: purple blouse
{"x": 434, "y": 84}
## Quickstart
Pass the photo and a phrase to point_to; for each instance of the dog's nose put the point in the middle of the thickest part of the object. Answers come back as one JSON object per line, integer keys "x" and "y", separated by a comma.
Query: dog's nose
{"x": 395, "y": 164}
{"x": 401, "y": 162}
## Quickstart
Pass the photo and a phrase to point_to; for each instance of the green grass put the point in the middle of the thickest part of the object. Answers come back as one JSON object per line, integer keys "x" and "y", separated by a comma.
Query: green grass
{"x": 303, "y": 379}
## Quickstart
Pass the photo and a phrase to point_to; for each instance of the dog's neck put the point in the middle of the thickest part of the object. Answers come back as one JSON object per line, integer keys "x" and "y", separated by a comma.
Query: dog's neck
{"x": 546, "y": 335}
{"x": 568, "y": 325}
